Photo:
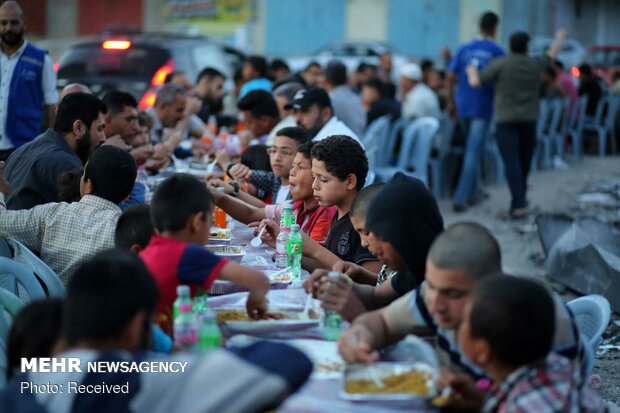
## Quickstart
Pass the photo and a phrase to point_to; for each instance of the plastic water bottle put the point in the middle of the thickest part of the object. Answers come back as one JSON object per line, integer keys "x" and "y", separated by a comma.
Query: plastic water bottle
{"x": 212, "y": 125}
{"x": 281, "y": 248}
{"x": 294, "y": 251}
{"x": 185, "y": 328}
{"x": 209, "y": 333}
{"x": 332, "y": 320}
{"x": 199, "y": 304}
{"x": 183, "y": 297}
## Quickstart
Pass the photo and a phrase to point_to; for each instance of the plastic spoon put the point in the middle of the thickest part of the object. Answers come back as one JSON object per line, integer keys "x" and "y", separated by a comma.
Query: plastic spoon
{"x": 374, "y": 376}
{"x": 256, "y": 241}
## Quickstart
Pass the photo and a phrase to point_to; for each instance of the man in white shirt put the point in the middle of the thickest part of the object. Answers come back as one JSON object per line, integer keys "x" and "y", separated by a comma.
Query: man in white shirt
{"x": 313, "y": 110}
{"x": 418, "y": 99}
{"x": 27, "y": 83}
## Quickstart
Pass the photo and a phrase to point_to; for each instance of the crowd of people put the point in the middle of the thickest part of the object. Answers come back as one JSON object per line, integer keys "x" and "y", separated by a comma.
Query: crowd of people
{"x": 77, "y": 194}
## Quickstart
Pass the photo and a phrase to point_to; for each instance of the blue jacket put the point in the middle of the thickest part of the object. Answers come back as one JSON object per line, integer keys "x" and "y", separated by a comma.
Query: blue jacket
{"x": 25, "y": 105}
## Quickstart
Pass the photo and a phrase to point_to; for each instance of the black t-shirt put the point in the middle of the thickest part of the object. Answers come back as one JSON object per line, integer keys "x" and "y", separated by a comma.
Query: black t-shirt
{"x": 344, "y": 241}
{"x": 592, "y": 89}
{"x": 404, "y": 281}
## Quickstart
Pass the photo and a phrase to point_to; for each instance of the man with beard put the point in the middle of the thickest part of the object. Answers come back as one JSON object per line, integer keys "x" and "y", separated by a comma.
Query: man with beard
{"x": 28, "y": 83}
{"x": 210, "y": 89}
{"x": 313, "y": 110}
{"x": 33, "y": 169}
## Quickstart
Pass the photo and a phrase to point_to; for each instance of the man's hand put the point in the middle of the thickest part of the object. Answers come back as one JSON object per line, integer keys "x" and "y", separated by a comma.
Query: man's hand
{"x": 312, "y": 285}
{"x": 218, "y": 183}
{"x": 199, "y": 148}
{"x": 240, "y": 171}
{"x": 142, "y": 153}
{"x": 355, "y": 345}
{"x": 348, "y": 268}
{"x": 117, "y": 141}
{"x": 5, "y": 187}
{"x": 256, "y": 305}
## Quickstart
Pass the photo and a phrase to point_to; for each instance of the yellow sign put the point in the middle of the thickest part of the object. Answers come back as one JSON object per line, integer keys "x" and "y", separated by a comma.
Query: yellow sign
{"x": 213, "y": 11}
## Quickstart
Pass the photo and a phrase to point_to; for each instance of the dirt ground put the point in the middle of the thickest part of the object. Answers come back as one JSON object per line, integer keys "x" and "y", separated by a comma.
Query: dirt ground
{"x": 549, "y": 191}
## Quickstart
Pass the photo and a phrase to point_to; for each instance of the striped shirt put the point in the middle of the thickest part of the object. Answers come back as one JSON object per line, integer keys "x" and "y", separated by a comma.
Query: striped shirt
{"x": 64, "y": 234}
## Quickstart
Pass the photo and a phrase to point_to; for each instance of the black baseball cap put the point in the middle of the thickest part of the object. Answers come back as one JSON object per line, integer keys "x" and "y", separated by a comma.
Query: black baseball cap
{"x": 305, "y": 98}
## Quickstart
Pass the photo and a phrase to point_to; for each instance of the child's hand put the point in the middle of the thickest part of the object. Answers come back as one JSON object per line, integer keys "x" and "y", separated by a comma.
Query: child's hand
{"x": 348, "y": 268}
{"x": 271, "y": 232}
{"x": 337, "y": 295}
{"x": 256, "y": 305}
{"x": 464, "y": 396}
{"x": 312, "y": 285}
{"x": 240, "y": 171}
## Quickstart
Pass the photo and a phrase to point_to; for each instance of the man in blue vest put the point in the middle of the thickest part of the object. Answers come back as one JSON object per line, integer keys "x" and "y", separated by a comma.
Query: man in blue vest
{"x": 27, "y": 83}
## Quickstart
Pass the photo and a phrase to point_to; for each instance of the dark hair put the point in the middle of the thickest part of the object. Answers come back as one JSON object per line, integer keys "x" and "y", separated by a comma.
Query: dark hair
{"x": 104, "y": 294}
{"x": 112, "y": 171}
{"x": 342, "y": 156}
{"x": 172, "y": 74}
{"x": 377, "y": 84}
{"x": 336, "y": 73}
{"x": 558, "y": 64}
{"x": 516, "y": 316}
{"x": 310, "y": 65}
{"x": 144, "y": 119}
{"x": 363, "y": 66}
{"x": 299, "y": 135}
{"x": 134, "y": 227}
{"x": 585, "y": 69}
{"x": 116, "y": 101}
{"x": 426, "y": 64}
{"x": 238, "y": 76}
{"x": 363, "y": 197}
{"x": 256, "y": 158}
{"x": 259, "y": 64}
{"x": 551, "y": 72}
{"x": 259, "y": 103}
{"x": 518, "y": 42}
{"x": 35, "y": 331}
{"x": 279, "y": 64}
{"x": 77, "y": 106}
{"x": 489, "y": 22}
{"x": 210, "y": 73}
{"x": 176, "y": 199}
{"x": 69, "y": 185}
{"x": 306, "y": 149}
{"x": 469, "y": 247}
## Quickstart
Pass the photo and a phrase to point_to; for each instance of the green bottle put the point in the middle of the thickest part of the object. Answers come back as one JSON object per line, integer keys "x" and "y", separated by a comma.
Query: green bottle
{"x": 294, "y": 245}
{"x": 209, "y": 333}
{"x": 332, "y": 320}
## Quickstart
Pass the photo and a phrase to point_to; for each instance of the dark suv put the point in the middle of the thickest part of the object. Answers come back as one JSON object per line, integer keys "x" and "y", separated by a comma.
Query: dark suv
{"x": 139, "y": 63}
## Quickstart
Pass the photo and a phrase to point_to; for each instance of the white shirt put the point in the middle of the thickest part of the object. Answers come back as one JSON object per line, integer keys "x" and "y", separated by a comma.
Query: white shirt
{"x": 420, "y": 101}
{"x": 7, "y": 66}
{"x": 282, "y": 194}
{"x": 335, "y": 127}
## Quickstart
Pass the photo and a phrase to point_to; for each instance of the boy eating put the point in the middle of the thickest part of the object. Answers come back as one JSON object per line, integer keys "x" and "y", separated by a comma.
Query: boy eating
{"x": 181, "y": 211}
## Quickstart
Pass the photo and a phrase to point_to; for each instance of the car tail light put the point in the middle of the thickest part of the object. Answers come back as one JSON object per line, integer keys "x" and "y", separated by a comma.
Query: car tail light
{"x": 56, "y": 66}
{"x": 116, "y": 44}
{"x": 160, "y": 76}
{"x": 575, "y": 71}
{"x": 148, "y": 100}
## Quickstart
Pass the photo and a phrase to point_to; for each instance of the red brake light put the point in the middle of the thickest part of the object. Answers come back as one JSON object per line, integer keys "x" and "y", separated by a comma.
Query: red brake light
{"x": 116, "y": 44}
{"x": 575, "y": 71}
{"x": 56, "y": 66}
{"x": 147, "y": 101}
{"x": 160, "y": 76}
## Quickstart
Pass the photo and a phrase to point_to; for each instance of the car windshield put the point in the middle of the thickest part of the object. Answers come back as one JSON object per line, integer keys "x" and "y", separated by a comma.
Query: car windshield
{"x": 604, "y": 58}
{"x": 95, "y": 61}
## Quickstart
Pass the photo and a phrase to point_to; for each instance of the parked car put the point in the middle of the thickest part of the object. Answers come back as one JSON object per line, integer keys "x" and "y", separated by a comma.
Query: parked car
{"x": 351, "y": 53}
{"x": 604, "y": 59}
{"x": 572, "y": 53}
{"x": 138, "y": 63}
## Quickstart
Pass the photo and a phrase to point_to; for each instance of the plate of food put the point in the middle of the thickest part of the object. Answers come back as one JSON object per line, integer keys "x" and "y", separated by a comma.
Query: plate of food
{"x": 284, "y": 276}
{"x": 232, "y": 252}
{"x": 400, "y": 382}
{"x": 220, "y": 236}
{"x": 237, "y": 320}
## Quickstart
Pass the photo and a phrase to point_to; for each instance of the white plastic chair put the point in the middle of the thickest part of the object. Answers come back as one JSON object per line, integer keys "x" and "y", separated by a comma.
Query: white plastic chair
{"x": 592, "y": 314}
{"x": 48, "y": 279}
{"x": 374, "y": 138}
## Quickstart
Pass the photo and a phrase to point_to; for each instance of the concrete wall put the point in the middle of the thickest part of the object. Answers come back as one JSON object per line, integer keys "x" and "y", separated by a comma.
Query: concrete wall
{"x": 62, "y": 18}
{"x": 367, "y": 19}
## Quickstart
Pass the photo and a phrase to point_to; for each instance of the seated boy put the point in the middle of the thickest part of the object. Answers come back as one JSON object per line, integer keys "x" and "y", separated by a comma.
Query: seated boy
{"x": 339, "y": 168}
{"x": 507, "y": 330}
{"x": 313, "y": 218}
{"x": 281, "y": 155}
{"x": 134, "y": 229}
{"x": 181, "y": 211}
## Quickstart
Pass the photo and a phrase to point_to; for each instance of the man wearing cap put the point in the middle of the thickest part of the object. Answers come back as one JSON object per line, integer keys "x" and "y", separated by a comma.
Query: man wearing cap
{"x": 313, "y": 110}
{"x": 418, "y": 99}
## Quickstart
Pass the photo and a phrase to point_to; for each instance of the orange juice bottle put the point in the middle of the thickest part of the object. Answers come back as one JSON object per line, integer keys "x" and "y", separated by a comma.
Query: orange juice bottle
{"x": 219, "y": 220}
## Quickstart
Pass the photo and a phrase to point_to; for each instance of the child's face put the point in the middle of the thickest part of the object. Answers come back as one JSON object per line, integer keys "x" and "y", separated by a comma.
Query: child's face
{"x": 328, "y": 189}
{"x": 475, "y": 349}
{"x": 300, "y": 178}
{"x": 281, "y": 155}
{"x": 385, "y": 251}
{"x": 359, "y": 224}
{"x": 447, "y": 294}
